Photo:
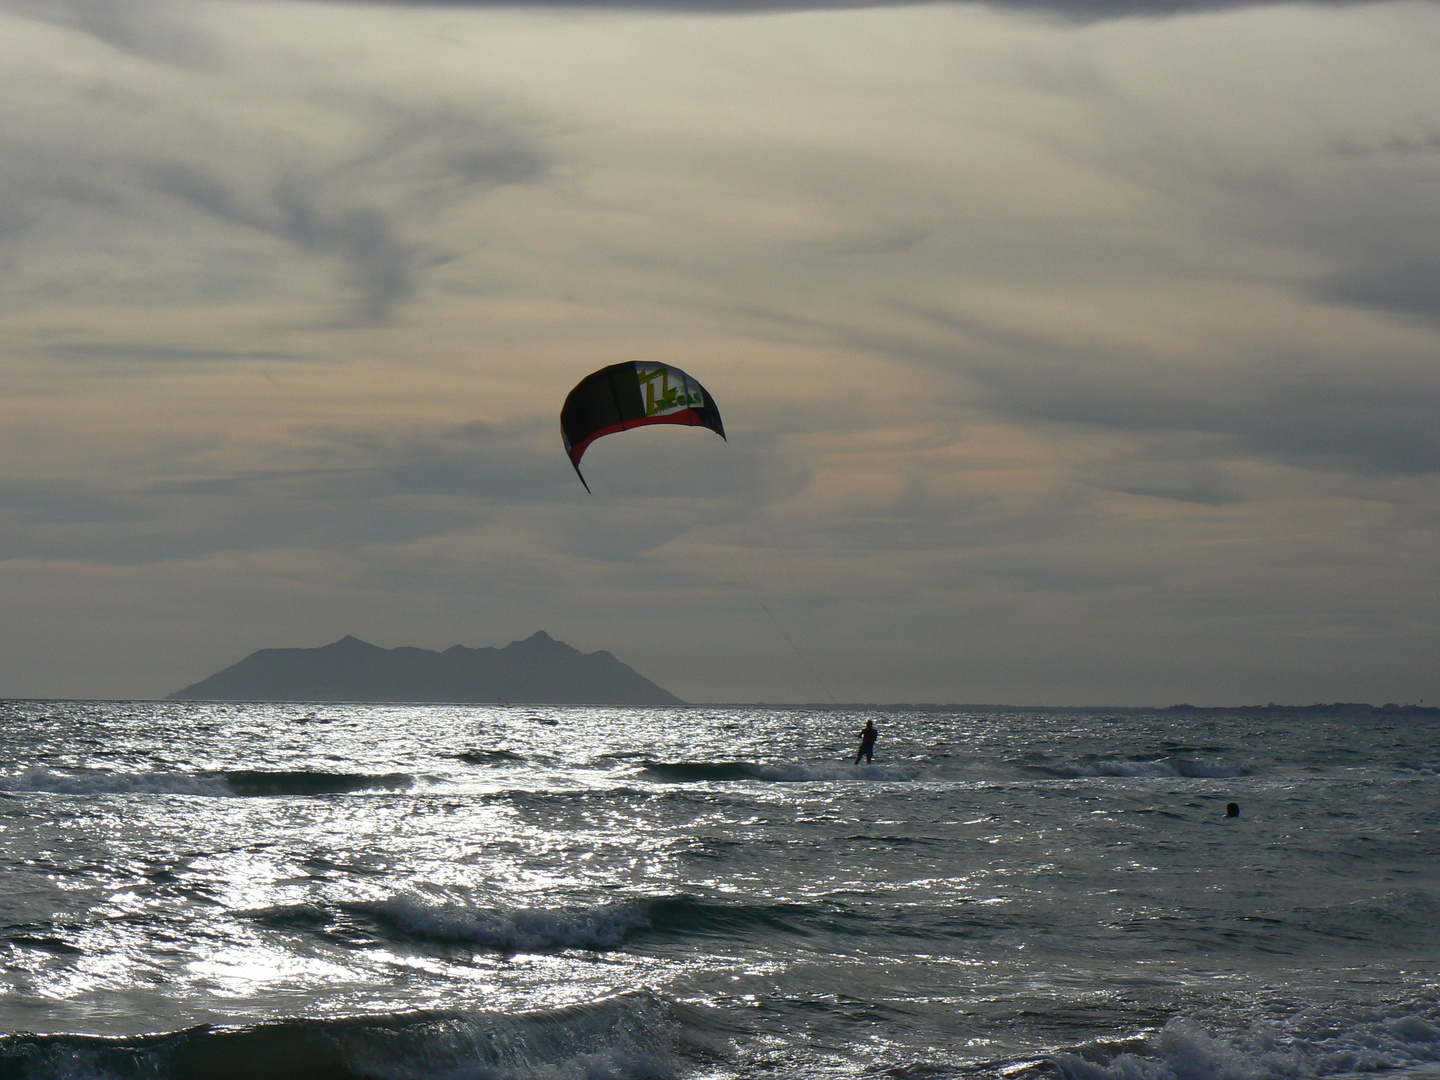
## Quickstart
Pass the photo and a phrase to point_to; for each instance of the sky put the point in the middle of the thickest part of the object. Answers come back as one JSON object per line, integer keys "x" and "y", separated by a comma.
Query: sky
{"x": 1068, "y": 353}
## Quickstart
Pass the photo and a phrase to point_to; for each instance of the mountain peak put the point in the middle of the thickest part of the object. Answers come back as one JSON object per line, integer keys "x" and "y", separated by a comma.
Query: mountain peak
{"x": 543, "y": 642}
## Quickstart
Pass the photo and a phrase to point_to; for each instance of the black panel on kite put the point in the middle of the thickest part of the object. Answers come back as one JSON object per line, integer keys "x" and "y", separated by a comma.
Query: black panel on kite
{"x": 630, "y": 395}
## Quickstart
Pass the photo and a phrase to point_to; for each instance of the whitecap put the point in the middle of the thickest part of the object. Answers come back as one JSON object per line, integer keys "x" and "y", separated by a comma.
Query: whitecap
{"x": 603, "y": 926}
{"x": 1313, "y": 1043}
{"x": 107, "y": 783}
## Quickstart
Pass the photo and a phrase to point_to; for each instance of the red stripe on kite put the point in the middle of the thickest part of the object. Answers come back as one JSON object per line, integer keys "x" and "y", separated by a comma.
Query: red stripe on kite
{"x": 685, "y": 418}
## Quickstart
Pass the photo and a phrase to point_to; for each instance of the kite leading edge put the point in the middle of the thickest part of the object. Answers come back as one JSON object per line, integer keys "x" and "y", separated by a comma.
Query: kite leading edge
{"x": 629, "y": 395}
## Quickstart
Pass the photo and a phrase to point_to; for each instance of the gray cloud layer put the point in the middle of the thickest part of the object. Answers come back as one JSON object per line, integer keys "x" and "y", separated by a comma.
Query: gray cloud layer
{"x": 445, "y": 157}
{"x": 318, "y": 202}
{"x": 1078, "y": 345}
{"x": 1405, "y": 283}
{"x": 158, "y": 29}
{"x": 388, "y": 490}
{"x": 1079, "y": 10}
{"x": 162, "y": 29}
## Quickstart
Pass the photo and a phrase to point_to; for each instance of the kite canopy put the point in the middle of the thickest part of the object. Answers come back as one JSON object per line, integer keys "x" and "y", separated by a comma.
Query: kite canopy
{"x": 630, "y": 395}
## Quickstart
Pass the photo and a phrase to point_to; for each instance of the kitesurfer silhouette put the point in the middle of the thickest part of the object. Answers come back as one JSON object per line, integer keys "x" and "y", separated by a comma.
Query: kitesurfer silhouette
{"x": 867, "y": 743}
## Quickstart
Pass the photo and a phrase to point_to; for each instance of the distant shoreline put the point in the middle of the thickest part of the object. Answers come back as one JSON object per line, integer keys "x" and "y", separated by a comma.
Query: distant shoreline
{"x": 1339, "y": 709}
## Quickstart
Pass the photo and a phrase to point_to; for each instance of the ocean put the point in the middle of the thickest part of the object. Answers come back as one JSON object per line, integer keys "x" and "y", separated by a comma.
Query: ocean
{"x": 202, "y": 890}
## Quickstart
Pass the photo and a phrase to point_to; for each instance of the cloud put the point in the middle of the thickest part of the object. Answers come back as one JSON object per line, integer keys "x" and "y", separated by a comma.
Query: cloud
{"x": 159, "y": 30}
{"x": 357, "y": 180}
{"x": 354, "y": 489}
{"x": 123, "y": 351}
{"x": 1178, "y": 466}
{"x": 1427, "y": 142}
{"x": 375, "y": 261}
{"x": 1314, "y": 417}
{"x": 1077, "y": 10}
{"x": 1389, "y": 262}
{"x": 433, "y": 159}
{"x": 1405, "y": 285}
{"x": 1313, "y": 422}
{"x": 165, "y": 31}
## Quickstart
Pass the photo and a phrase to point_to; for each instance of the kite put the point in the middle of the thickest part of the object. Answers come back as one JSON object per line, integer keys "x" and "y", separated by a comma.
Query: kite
{"x": 630, "y": 395}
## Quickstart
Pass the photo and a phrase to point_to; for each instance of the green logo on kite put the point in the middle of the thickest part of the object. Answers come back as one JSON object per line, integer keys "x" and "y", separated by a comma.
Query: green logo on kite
{"x": 668, "y": 398}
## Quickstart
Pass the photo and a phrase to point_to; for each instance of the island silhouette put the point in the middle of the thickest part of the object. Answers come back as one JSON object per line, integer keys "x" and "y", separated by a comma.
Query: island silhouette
{"x": 536, "y": 671}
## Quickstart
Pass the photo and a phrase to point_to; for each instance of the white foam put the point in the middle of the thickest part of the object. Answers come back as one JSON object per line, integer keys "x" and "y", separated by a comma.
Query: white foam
{"x": 1153, "y": 769}
{"x": 1159, "y": 769}
{"x": 1313, "y": 1043}
{"x": 621, "y": 1062}
{"x": 802, "y": 773}
{"x": 624, "y": 1039}
{"x": 1430, "y": 767}
{"x": 1212, "y": 769}
{"x": 108, "y": 783}
{"x": 600, "y": 927}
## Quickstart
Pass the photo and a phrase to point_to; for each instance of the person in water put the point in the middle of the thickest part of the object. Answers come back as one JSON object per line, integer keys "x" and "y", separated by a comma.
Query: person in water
{"x": 867, "y": 743}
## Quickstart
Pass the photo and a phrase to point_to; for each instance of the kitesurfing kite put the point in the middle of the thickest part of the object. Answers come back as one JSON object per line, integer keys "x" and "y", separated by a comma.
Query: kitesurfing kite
{"x": 631, "y": 395}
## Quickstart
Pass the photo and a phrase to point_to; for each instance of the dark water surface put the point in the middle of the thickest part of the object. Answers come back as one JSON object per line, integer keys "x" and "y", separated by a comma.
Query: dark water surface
{"x": 409, "y": 891}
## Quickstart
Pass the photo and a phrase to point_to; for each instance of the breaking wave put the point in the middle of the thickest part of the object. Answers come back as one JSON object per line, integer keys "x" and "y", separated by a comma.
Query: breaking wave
{"x": 488, "y": 757}
{"x": 622, "y": 1038}
{"x": 1431, "y": 768}
{"x": 603, "y": 926}
{"x": 1158, "y": 769}
{"x": 598, "y": 927}
{"x": 1316, "y": 1042}
{"x": 108, "y": 783}
{"x": 245, "y": 782}
{"x": 290, "y": 916}
{"x": 682, "y": 772}
{"x": 304, "y": 782}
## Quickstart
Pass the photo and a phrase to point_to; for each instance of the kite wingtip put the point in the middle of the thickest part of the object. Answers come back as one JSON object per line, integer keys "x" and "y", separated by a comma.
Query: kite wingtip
{"x": 575, "y": 464}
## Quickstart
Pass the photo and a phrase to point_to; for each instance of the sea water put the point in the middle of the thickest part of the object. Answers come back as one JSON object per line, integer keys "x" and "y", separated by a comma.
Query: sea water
{"x": 208, "y": 890}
